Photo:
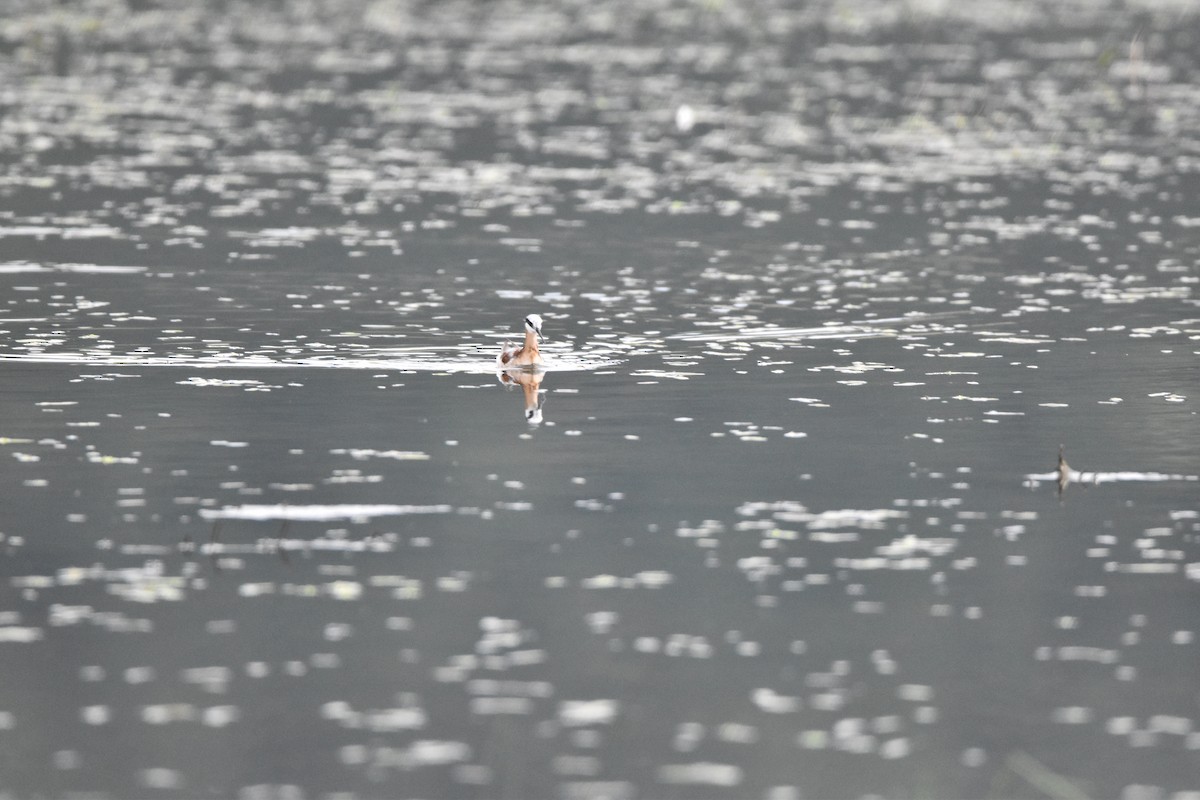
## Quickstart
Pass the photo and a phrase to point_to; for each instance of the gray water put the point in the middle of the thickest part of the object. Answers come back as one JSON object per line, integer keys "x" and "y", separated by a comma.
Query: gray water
{"x": 825, "y": 290}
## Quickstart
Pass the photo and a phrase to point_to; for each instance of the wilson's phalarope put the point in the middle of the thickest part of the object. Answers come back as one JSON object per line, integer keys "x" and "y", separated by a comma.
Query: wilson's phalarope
{"x": 527, "y": 355}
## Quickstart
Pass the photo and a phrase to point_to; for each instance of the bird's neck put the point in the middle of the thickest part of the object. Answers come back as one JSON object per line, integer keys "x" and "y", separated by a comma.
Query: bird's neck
{"x": 531, "y": 343}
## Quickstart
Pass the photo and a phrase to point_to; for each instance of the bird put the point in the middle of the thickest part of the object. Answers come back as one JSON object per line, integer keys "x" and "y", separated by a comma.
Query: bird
{"x": 527, "y": 355}
{"x": 1064, "y": 471}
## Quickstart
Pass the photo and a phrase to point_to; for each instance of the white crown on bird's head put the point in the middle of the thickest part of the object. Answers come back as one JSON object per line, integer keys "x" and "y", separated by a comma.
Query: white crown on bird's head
{"x": 534, "y": 323}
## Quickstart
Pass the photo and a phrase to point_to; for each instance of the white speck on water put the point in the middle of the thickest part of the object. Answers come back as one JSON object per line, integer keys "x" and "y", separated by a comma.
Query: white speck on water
{"x": 685, "y": 118}
{"x": 257, "y": 669}
{"x": 166, "y": 713}
{"x": 572, "y": 713}
{"x": 700, "y": 773}
{"x": 1072, "y": 715}
{"x": 771, "y": 702}
{"x": 92, "y": 673}
{"x": 95, "y": 715}
{"x": 220, "y": 716}
{"x": 161, "y": 778}
{"x": 319, "y": 512}
{"x": 137, "y": 675}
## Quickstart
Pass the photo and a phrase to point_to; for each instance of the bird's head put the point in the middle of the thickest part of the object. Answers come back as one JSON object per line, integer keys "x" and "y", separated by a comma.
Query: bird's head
{"x": 534, "y": 323}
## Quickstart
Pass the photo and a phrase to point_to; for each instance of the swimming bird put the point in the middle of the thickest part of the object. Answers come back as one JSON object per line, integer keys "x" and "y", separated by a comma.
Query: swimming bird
{"x": 527, "y": 355}
{"x": 1064, "y": 471}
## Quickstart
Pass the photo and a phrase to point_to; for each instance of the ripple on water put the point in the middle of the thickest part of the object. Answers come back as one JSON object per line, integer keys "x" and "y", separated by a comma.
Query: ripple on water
{"x": 763, "y": 227}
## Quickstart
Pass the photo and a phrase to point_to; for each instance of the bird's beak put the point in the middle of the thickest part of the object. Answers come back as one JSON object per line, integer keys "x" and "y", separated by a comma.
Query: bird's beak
{"x": 539, "y": 335}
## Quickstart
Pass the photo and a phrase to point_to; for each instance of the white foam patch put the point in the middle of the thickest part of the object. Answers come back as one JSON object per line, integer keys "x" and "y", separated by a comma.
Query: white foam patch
{"x": 196, "y": 381}
{"x": 587, "y": 712}
{"x": 1076, "y": 476}
{"x": 14, "y": 267}
{"x": 701, "y": 772}
{"x": 65, "y": 231}
{"x": 406, "y": 363}
{"x": 320, "y": 513}
{"x": 787, "y": 334}
{"x": 874, "y": 328}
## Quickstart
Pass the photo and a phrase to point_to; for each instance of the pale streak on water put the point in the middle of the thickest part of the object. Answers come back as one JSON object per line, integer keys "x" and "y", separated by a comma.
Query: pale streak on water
{"x": 825, "y": 289}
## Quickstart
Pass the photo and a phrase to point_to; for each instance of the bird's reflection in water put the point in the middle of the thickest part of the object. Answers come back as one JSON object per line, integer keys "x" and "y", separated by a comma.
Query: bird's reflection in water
{"x": 530, "y": 381}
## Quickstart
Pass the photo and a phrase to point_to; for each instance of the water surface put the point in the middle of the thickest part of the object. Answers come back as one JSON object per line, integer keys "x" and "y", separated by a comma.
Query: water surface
{"x": 825, "y": 291}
